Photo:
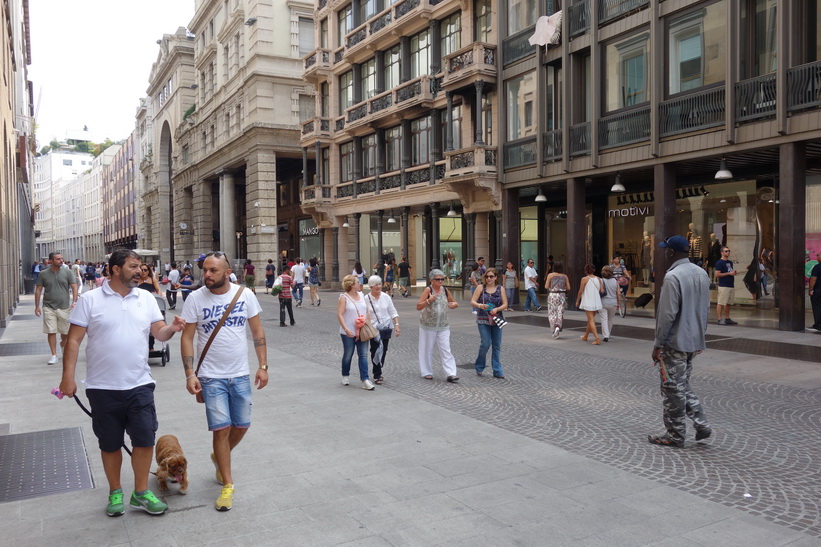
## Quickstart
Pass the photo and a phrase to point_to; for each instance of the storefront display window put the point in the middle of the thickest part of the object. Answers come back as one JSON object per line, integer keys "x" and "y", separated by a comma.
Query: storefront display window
{"x": 528, "y": 237}
{"x": 739, "y": 214}
{"x": 450, "y": 248}
{"x": 391, "y": 241}
{"x": 812, "y": 244}
{"x": 308, "y": 239}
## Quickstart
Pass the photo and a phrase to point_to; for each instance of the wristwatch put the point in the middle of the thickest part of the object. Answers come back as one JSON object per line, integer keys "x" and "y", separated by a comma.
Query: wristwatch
{"x": 264, "y": 367}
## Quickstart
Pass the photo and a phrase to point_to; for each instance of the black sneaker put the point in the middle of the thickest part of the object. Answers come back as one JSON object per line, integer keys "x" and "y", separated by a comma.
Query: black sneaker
{"x": 729, "y": 321}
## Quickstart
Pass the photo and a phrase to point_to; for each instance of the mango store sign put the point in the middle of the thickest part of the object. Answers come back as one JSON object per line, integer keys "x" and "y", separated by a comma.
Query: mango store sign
{"x": 629, "y": 212}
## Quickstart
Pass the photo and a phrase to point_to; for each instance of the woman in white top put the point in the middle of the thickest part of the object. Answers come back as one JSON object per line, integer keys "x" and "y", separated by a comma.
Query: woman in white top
{"x": 610, "y": 300}
{"x": 589, "y": 300}
{"x": 385, "y": 319}
{"x": 352, "y": 312}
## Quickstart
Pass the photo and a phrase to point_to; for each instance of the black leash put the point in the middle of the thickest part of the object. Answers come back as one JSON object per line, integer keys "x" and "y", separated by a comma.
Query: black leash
{"x": 59, "y": 394}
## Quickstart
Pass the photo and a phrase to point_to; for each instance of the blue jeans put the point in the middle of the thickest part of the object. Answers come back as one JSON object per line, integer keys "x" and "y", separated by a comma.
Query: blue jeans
{"x": 491, "y": 335}
{"x": 531, "y": 297}
{"x": 227, "y": 402}
{"x": 298, "y": 288}
{"x": 348, "y": 345}
{"x": 511, "y": 294}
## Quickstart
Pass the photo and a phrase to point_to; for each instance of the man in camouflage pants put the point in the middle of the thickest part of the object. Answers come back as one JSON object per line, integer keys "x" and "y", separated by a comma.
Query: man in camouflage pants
{"x": 681, "y": 324}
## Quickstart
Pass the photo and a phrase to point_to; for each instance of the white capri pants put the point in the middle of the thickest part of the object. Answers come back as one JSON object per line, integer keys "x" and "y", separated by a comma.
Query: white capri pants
{"x": 427, "y": 340}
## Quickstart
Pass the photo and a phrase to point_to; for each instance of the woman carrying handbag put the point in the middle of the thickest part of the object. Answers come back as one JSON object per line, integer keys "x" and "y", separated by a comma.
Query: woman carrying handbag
{"x": 385, "y": 319}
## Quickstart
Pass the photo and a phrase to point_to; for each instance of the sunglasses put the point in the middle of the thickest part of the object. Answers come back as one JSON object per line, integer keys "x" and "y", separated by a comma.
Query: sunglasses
{"x": 490, "y": 276}
{"x": 438, "y": 279}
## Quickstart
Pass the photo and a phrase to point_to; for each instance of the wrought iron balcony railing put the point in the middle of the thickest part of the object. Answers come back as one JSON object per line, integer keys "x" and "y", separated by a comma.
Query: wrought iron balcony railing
{"x": 755, "y": 98}
{"x": 624, "y": 128}
{"x": 804, "y": 86}
{"x": 692, "y": 112}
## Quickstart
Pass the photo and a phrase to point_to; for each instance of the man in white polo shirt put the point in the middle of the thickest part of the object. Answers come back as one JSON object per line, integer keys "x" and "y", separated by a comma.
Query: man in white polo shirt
{"x": 119, "y": 385}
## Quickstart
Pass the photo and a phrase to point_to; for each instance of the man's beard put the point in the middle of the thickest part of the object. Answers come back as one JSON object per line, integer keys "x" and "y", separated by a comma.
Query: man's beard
{"x": 216, "y": 283}
{"x": 129, "y": 282}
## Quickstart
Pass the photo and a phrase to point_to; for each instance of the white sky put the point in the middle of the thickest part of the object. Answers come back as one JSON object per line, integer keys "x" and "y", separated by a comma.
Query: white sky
{"x": 91, "y": 61}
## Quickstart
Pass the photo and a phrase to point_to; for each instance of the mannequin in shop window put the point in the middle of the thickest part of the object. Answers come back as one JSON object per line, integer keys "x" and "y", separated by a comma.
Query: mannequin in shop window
{"x": 646, "y": 257}
{"x": 713, "y": 255}
{"x": 696, "y": 245}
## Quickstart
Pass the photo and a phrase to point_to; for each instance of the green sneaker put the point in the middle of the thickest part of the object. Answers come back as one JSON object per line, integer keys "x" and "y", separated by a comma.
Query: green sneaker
{"x": 115, "y": 503}
{"x": 148, "y": 502}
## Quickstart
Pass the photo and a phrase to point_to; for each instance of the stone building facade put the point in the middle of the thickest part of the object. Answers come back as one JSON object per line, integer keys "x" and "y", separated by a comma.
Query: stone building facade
{"x": 241, "y": 137}
{"x": 405, "y": 134}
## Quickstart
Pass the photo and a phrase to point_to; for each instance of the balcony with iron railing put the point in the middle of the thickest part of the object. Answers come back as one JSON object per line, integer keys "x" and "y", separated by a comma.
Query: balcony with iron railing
{"x": 314, "y": 195}
{"x": 804, "y": 87}
{"x": 552, "y": 145}
{"x": 520, "y": 153}
{"x": 580, "y": 139}
{"x": 318, "y": 62}
{"x": 624, "y": 128}
{"x": 578, "y": 18}
{"x": 474, "y": 62}
{"x": 414, "y": 93}
{"x": 375, "y": 33}
{"x": 477, "y": 160}
{"x": 316, "y": 128}
{"x": 755, "y": 98}
{"x": 692, "y": 112}
{"x": 610, "y": 10}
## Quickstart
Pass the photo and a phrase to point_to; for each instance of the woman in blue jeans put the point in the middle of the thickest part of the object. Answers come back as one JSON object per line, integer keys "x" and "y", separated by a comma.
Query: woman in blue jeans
{"x": 352, "y": 313}
{"x": 489, "y": 299}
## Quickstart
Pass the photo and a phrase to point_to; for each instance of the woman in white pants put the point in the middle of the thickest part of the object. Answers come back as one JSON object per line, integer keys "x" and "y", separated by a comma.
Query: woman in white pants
{"x": 610, "y": 301}
{"x": 434, "y": 328}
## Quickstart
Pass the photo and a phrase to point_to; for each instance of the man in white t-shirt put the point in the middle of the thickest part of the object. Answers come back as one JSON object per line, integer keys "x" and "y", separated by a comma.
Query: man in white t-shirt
{"x": 531, "y": 281}
{"x": 223, "y": 378}
{"x": 119, "y": 386}
{"x": 298, "y": 274}
{"x": 173, "y": 286}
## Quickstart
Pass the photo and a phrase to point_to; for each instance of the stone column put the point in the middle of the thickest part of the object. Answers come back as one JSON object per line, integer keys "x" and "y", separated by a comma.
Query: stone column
{"x": 480, "y": 84}
{"x": 576, "y": 234}
{"x": 501, "y": 262}
{"x": 379, "y": 250}
{"x": 435, "y": 46}
{"x": 228, "y": 217}
{"x": 789, "y": 258}
{"x": 318, "y": 162}
{"x": 357, "y": 233}
{"x": 664, "y": 191}
{"x": 449, "y": 126}
{"x": 305, "y": 166}
{"x": 434, "y": 248}
{"x": 322, "y": 276}
{"x": 261, "y": 206}
{"x": 335, "y": 258}
{"x": 469, "y": 251}
{"x": 405, "y": 232}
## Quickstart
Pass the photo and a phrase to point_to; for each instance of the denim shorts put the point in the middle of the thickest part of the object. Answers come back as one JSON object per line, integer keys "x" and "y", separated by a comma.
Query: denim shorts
{"x": 115, "y": 412}
{"x": 227, "y": 402}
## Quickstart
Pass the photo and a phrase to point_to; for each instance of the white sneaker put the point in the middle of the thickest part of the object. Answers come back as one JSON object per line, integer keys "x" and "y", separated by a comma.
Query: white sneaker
{"x": 367, "y": 384}
{"x": 556, "y": 333}
{"x": 346, "y": 381}
{"x": 53, "y": 360}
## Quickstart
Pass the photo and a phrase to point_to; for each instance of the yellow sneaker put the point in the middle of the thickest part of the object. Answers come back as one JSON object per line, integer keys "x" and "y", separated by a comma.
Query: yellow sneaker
{"x": 217, "y": 475}
{"x": 226, "y": 499}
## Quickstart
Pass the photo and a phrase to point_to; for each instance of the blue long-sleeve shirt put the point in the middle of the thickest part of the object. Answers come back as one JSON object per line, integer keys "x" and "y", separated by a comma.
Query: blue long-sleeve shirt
{"x": 683, "y": 308}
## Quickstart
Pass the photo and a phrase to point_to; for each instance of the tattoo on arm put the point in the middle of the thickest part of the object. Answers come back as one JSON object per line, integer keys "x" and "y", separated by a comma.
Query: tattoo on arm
{"x": 188, "y": 363}
{"x": 259, "y": 341}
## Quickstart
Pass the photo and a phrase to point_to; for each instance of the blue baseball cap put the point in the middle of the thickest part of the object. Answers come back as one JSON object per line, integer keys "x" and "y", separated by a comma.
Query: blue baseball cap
{"x": 677, "y": 243}
{"x": 201, "y": 257}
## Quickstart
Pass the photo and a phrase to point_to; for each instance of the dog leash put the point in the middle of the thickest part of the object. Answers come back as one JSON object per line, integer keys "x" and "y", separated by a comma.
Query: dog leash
{"x": 59, "y": 394}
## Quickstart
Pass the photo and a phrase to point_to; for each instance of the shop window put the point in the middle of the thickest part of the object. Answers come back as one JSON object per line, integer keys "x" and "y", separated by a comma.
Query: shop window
{"x": 420, "y": 54}
{"x": 520, "y": 92}
{"x": 450, "y": 248}
{"x": 450, "y": 29}
{"x": 420, "y": 141}
{"x": 393, "y": 65}
{"x": 697, "y": 48}
{"x": 393, "y": 148}
{"x": 626, "y": 69}
{"x": 346, "y": 162}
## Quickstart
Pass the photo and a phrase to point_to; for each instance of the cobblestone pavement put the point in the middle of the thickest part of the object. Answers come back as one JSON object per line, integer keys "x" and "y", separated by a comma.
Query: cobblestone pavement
{"x": 763, "y": 457}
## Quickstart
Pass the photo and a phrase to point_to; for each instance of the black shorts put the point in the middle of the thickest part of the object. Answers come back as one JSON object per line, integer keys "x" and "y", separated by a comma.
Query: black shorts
{"x": 115, "y": 412}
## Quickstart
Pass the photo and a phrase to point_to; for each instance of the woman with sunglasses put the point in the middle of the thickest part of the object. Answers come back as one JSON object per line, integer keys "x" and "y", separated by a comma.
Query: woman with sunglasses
{"x": 489, "y": 300}
{"x": 434, "y": 327}
{"x": 148, "y": 283}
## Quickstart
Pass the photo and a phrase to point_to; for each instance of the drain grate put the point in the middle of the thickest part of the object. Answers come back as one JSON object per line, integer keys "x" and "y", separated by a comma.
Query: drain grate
{"x": 43, "y": 463}
{"x": 24, "y": 348}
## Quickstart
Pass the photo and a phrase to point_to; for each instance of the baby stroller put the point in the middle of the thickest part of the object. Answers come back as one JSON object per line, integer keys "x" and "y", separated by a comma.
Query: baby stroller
{"x": 164, "y": 352}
